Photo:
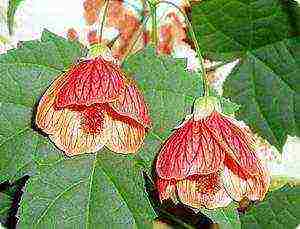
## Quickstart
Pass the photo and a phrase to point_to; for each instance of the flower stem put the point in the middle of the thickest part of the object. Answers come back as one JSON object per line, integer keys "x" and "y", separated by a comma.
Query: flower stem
{"x": 190, "y": 27}
{"x": 100, "y": 31}
{"x": 154, "y": 36}
{"x": 153, "y": 6}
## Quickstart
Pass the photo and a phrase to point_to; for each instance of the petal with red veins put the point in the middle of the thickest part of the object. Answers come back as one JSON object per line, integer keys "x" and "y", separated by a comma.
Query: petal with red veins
{"x": 123, "y": 135}
{"x": 131, "y": 103}
{"x": 174, "y": 159}
{"x": 64, "y": 126}
{"x": 191, "y": 149}
{"x": 72, "y": 138}
{"x": 210, "y": 155}
{"x": 91, "y": 81}
{"x": 166, "y": 189}
{"x": 46, "y": 115}
{"x": 238, "y": 186}
{"x": 234, "y": 185}
{"x": 237, "y": 142}
{"x": 203, "y": 191}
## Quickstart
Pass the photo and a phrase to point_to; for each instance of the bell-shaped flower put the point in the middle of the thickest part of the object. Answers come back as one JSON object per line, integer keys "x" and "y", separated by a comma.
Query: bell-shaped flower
{"x": 210, "y": 160}
{"x": 91, "y": 105}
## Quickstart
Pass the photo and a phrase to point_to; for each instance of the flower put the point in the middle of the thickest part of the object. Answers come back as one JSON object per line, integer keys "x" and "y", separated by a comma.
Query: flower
{"x": 210, "y": 160}
{"x": 91, "y": 105}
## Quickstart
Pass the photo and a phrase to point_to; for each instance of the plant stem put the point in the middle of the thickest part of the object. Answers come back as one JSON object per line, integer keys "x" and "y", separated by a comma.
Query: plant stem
{"x": 100, "y": 31}
{"x": 153, "y": 7}
{"x": 154, "y": 22}
{"x": 190, "y": 27}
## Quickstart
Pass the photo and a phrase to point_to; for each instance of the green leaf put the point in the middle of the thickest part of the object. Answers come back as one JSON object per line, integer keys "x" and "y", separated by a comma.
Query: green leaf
{"x": 88, "y": 191}
{"x": 5, "y": 205}
{"x": 279, "y": 210}
{"x": 267, "y": 85}
{"x": 264, "y": 35}
{"x": 12, "y": 8}
{"x": 245, "y": 25}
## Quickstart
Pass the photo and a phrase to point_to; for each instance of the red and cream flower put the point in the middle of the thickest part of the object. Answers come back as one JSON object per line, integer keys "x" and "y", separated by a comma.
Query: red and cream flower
{"x": 91, "y": 105}
{"x": 210, "y": 160}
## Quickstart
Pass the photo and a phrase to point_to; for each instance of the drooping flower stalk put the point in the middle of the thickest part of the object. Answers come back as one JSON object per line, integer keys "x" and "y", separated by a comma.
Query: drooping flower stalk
{"x": 153, "y": 7}
{"x": 100, "y": 30}
{"x": 204, "y": 78}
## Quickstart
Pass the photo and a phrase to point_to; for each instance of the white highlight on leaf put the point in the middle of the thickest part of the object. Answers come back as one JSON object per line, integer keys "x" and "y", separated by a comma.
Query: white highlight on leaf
{"x": 291, "y": 157}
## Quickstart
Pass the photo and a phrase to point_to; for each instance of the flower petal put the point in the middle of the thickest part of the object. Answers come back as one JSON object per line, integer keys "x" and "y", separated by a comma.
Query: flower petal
{"x": 70, "y": 137}
{"x": 123, "y": 136}
{"x": 210, "y": 155}
{"x": 46, "y": 115}
{"x": 191, "y": 149}
{"x": 166, "y": 189}
{"x": 204, "y": 191}
{"x": 237, "y": 141}
{"x": 171, "y": 28}
{"x": 131, "y": 103}
{"x": 65, "y": 126}
{"x": 91, "y": 81}
{"x": 125, "y": 18}
{"x": 253, "y": 187}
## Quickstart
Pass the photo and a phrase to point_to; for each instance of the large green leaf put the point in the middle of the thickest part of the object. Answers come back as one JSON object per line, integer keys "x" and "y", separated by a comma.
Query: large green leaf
{"x": 265, "y": 36}
{"x": 89, "y": 191}
{"x": 279, "y": 210}
{"x": 267, "y": 85}
{"x": 230, "y": 28}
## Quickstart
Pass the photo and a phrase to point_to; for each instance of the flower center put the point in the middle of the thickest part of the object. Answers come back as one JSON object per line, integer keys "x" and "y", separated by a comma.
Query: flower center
{"x": 207, "y": 184}
{"x": 92, "y": 119}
